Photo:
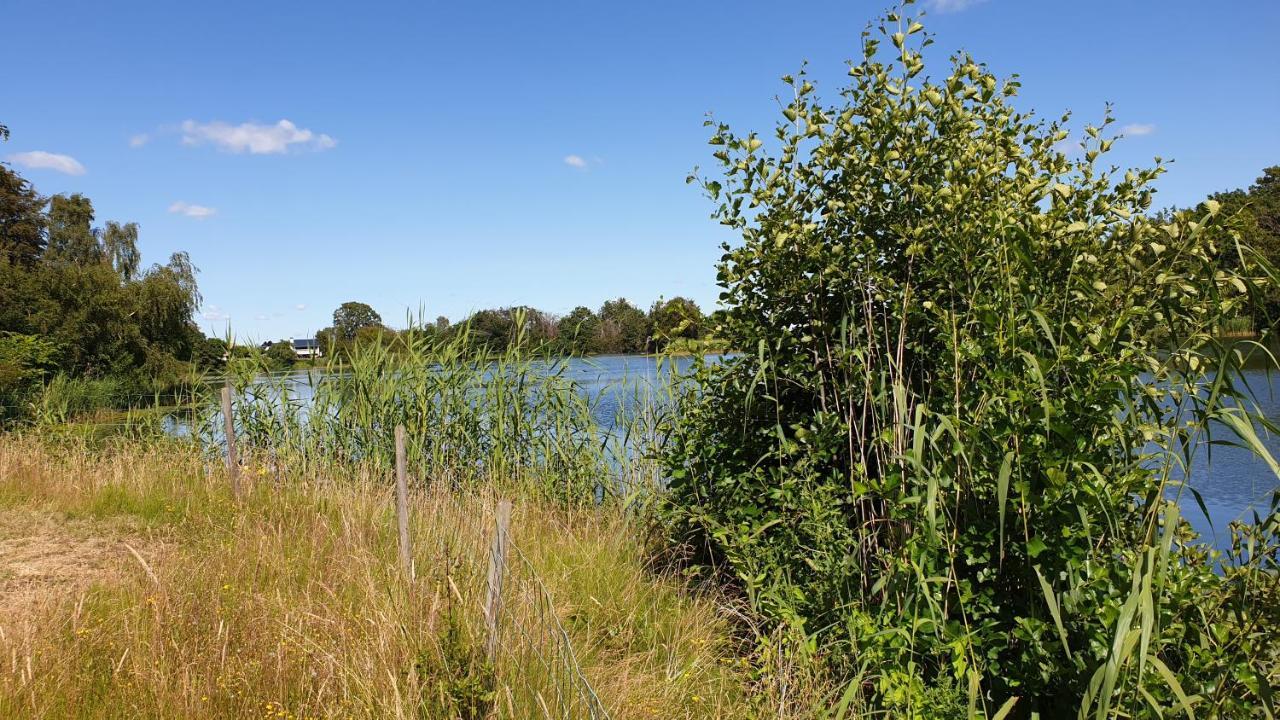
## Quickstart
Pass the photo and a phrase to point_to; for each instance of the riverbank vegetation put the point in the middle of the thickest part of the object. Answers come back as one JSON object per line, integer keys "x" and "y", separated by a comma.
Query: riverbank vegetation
{"x": 79, "y": 312}
{"x": 943, "y": 477}
{"x": 953, "y": 457}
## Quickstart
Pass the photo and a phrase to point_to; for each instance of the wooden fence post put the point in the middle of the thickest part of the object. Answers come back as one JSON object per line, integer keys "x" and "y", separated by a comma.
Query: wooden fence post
{"x": 229, "y": 429}
{"x": 402, "y": 505}
{"x": 497, "y": 566}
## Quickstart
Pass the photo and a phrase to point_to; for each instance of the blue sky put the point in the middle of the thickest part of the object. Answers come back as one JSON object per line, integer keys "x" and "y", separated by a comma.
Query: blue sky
{"x": 467, "y": 155}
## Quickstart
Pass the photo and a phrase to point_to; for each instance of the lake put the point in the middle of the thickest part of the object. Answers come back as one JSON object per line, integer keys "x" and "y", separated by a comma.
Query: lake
{"x": 1231, "y": 480}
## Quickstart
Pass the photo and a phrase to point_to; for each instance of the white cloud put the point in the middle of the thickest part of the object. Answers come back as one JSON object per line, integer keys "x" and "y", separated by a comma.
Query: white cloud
{"x": 199, "y": 212}
{"x": 213, "y": 313}
{"x": 300, "y": 306}
{"x": 254, "y": 138}
{"x": 1137, "y": 129}
{"x": 575, "y": 161}
{"x": 952, "y": 6}
{"x": 139, "y": 140}
{"x": 41, "y": 160}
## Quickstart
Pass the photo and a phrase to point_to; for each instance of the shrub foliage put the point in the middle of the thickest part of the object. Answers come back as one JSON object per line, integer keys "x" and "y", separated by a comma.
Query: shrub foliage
{"x": 971, "y": 365}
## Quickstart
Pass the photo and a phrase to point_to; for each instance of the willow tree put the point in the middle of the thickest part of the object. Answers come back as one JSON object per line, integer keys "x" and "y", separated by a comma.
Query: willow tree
{"x": 970, "y": 364}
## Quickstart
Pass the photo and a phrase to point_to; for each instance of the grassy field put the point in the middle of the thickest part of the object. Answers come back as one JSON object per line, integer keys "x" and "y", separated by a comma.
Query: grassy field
{"x": 133, "y": 585}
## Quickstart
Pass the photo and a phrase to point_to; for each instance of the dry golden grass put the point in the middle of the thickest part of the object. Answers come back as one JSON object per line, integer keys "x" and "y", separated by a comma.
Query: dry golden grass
{"x": 173, "y": 600}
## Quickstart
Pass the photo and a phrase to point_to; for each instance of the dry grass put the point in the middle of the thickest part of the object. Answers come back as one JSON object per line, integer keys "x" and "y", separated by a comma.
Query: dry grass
{"x": 172, "y": 600}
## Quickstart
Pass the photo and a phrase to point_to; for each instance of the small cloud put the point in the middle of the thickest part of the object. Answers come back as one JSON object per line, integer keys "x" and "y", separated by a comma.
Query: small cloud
{"x": 952, "y": 6}
{"x": 41, "y": 160}
{"x": 255, "y": 139}
{"x": 213, "y": 313}
{"x": 1137, "y": 129}
{"x": 300, "y": 307}
{"x": 575, "y": 161}
{"x": 261, "y": 317}
{"x": 139, "y": 140}
{"x": 199, "y": 212}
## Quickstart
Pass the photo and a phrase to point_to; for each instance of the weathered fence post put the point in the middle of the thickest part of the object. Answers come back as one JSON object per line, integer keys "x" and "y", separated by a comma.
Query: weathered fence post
{"x": 497, "y": 566}
{"x": 402, "y": 505}
{"x": 229, "y": 429}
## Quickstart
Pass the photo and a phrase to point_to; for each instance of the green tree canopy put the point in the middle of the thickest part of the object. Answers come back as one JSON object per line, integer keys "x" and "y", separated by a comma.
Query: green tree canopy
{"x": 350, "y": 317}
{"x": 579, "y": 331}
{"x": 624, "y": 328}
{"x": 281, "y": 354}
{"x": 82, "y": 292}
{"x": 678, "y": 317}
{"x": 71, "y": 235}
{"x": 120, "y": 246}
{"x": 22, "y": 219}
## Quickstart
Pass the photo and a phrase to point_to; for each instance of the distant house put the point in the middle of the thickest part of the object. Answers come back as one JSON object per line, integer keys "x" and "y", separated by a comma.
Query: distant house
{"x": 306, "y": 347}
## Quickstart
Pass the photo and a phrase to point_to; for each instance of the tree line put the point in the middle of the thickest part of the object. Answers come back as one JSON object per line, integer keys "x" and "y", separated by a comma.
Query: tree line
{"x": 76, "y": 300}
{"x": 617, "y": 327}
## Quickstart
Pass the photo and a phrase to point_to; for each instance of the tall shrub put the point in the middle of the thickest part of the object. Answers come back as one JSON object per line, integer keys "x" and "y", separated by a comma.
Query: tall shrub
{"x": 970, "y": 362}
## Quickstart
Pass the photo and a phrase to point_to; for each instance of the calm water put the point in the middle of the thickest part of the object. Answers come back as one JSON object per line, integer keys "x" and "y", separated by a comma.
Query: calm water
{"x": 1231, "y": 480}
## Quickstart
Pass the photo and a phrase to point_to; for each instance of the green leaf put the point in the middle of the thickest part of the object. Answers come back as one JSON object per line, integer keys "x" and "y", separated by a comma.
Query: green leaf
{"x": 1052, "y": 601}
{"x": 1002, "y": 493}
{"x": 1171, "y": 680}
{"x": 1035, "y": 546}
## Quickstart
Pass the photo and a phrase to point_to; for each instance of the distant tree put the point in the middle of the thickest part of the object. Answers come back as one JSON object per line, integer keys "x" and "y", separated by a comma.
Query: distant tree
{"x": 499, "y": 328}
{"x": 441, "y": 324}
{"x": 492, "y": 329}
{"x": 350, "y": 317}
{"x": 210, "y": 354}
{"x": 71, "y": 235}
{"x": 281, "y": 354}
{"x": 579, "y": 331}
{"x": 624, "y": 327}
{"x": 678, "y": 317}
{"x": 714, "y": 321}
{"x": 22, "y": 219}
{"x": 328, "y": 340}
{"x": 375, "y": 334}
{"x": 541, "y": 328}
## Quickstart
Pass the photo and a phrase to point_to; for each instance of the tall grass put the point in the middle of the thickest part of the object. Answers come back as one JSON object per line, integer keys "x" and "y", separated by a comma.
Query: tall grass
{"x": 290, "y": 603}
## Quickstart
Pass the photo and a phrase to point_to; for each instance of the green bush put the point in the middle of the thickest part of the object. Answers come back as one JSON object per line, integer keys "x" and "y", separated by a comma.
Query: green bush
{"x": 281, "y": 354}
{"x": 970, "y": 363}
{"x": 25, "y": 360}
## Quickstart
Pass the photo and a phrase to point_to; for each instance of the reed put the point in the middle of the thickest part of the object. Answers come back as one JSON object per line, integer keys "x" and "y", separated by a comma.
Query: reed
{"x": 517, "y": 416}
